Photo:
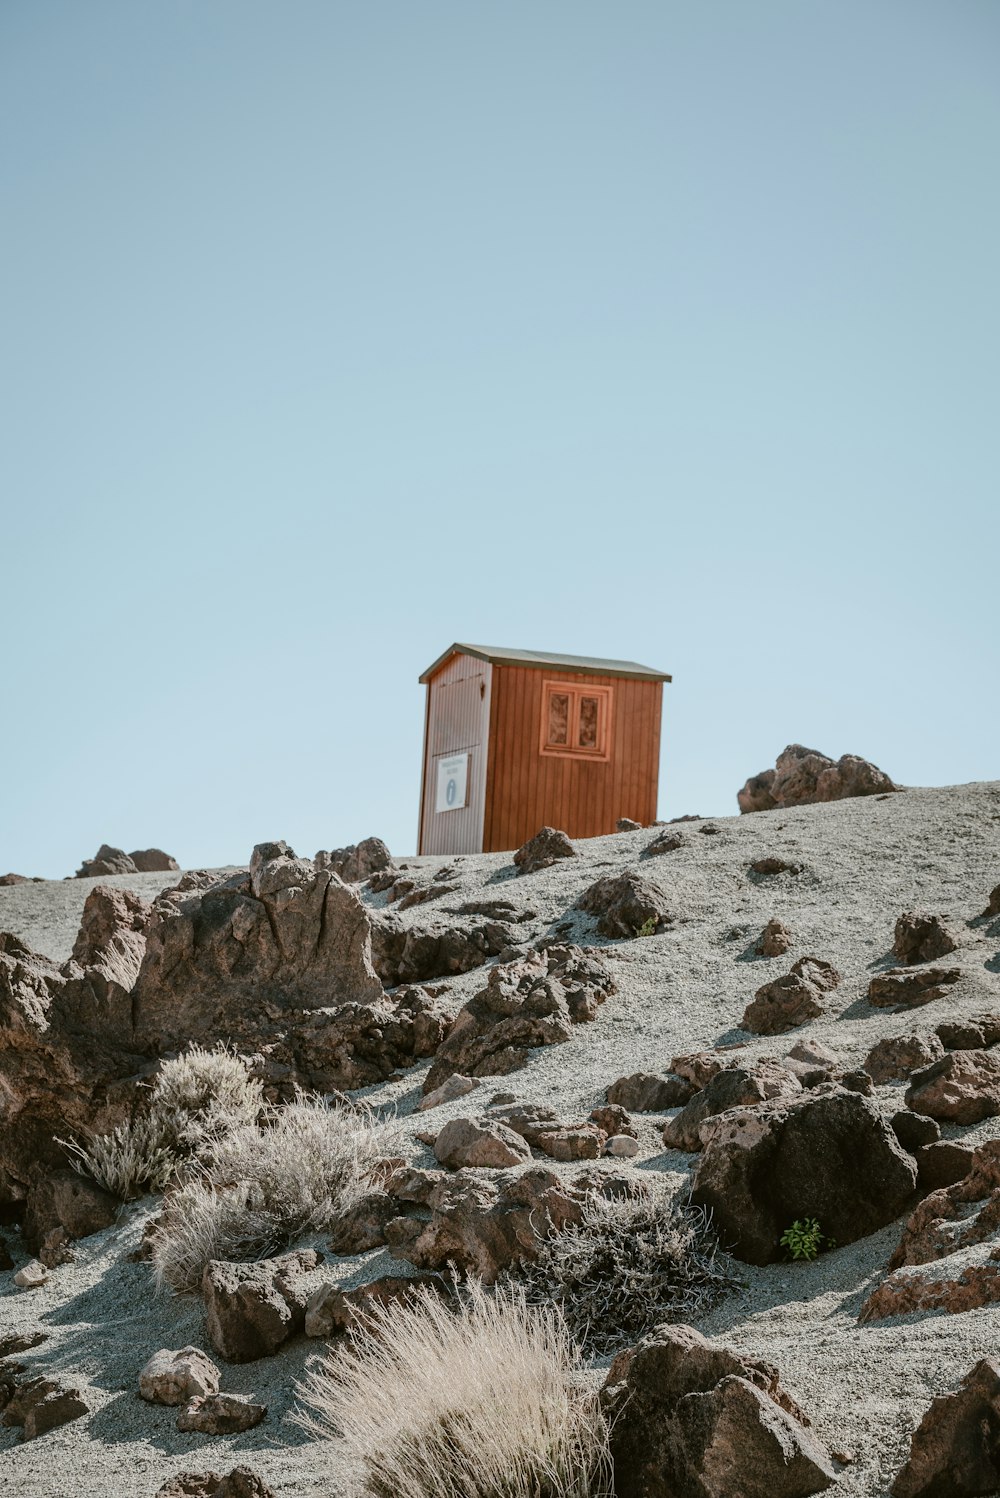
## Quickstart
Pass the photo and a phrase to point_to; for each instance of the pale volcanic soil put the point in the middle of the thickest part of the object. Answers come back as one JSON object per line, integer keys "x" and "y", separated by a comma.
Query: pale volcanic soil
{"x": 864, "y": 862}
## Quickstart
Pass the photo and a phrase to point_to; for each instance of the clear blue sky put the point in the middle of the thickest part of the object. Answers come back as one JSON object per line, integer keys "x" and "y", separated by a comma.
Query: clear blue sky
{"x": 333, "y": 332}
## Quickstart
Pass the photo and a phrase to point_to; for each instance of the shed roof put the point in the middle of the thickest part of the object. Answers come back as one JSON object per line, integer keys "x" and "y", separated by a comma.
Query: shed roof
{"x": 587, "y": 665}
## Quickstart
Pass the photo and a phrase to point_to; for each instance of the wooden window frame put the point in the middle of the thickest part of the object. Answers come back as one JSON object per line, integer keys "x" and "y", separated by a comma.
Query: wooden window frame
{"x": 574, "y": 690}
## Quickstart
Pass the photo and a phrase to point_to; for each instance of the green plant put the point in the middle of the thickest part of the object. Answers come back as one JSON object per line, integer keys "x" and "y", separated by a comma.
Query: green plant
{"x": 648, "y": 927}
{"x": 805, "y": 1239}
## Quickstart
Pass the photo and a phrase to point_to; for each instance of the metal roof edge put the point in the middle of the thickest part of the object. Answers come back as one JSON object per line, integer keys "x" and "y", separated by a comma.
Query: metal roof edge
{"x": 571, "y": 665}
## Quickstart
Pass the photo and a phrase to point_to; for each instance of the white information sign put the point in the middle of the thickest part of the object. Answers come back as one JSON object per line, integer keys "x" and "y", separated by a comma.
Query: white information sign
{"x": 452, "y": 782}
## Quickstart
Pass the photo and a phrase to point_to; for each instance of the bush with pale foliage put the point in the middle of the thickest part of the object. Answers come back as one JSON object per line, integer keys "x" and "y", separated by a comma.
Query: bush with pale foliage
{"x": 486, "y": 1400}
{"x": 262, "y": 1187}
{"x": 196, "y": 1099}
{"x": 626, "y": 1266}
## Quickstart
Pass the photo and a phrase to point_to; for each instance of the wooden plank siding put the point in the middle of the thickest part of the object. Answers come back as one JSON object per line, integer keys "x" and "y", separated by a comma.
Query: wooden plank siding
{"x": 585, "y": 797}
{"x": 457, "y": 720}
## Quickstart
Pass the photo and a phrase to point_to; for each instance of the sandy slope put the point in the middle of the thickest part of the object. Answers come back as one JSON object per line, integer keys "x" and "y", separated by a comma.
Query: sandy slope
{"x": 864, "y": 862}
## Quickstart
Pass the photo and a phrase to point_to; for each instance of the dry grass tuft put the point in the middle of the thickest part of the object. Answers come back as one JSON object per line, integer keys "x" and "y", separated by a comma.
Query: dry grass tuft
{"x": 260, "y": 1188}
{"x": 627, "y": 1266}
{"x": 196, "y": 1100}
{"x": 482, "y": 1401}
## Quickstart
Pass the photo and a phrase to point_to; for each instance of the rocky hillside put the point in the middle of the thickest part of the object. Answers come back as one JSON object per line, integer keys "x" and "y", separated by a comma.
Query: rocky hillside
{"x": 795, "y": 1015}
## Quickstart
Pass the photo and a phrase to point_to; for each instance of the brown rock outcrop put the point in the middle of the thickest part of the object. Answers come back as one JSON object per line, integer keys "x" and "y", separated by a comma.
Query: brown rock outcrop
{"x": 665, "y": 842}
{"x": 735, "y": 1087}
{"x": 626, "y": 904}
{"x": 485, "y": 1143}
{"x": 935, "y": 1287}
{"x": 958, "y": 1216}
{"x": 909, "y": 990}
{"x": 484, "y": 1224}
{"x": 533, "y": 1001}
{"x": 106, "y": 861}
{"x": 921, "y": 937}
{"x": 332, "y": 1311}
{"x": 955, "y": 1450}
{"x": 418, "y": 954}
{"x": 792, "y": 1000}
{"x": 252, "y": 1309}
{"x": 803, "y": 777}
{"x": 357, "y": 862}
{"x": 827, "y": 1153}
{"x": 547, "y": 847}
{"x": 690, "y": 1420}
{"x": 898, "y": 1056}
{"x": 649, "y": 1092}
{"x": 154, "y": 861}
{"x": 69, "y": 1201}
{"x": 242, "y": 1482}
{"x": 220, "y": 1414}
{"x": 960, "y": 1087}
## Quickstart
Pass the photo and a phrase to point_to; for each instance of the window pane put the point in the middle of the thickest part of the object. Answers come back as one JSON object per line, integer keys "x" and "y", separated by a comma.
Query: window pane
{"x": 558, "y": 718}
{"x": 588, "y": 723}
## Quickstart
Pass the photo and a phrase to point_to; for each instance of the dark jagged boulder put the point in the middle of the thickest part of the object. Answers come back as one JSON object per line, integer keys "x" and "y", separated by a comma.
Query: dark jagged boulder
{"x": 955, "y": 1450}
{"x": 922, "y": 937}
{"x": 543, "y": 850}
{"x": 827, "y": 1153}
{"x": 626, "y": 905}
{"x": 734, "y": 1087}
{"x": 357, "y": 862}
{"x": 790, "y": 1001}
{"x": 106, "y": 860}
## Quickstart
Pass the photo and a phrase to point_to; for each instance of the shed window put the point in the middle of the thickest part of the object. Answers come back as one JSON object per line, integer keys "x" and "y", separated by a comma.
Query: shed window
{"x": 576, "y": 720}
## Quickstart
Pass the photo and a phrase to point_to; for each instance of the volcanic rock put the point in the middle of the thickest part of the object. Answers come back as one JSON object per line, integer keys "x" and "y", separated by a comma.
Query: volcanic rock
{"x": 689, "y": 1420}
{"x": 827, "y": 1154}
{"x": 544, "y": 849}
{"x": 774, "y": 941}
{"x": 921, "y": 937}
{"x": 175, "y": 1377}
{"x": 955, "y": 1450}
{"x": 666, "y": 842}
{"x": 956, "y": 1217}
{"x": 898, "y": 1056}
{"x": 220, "y": 1414}
{"x": 787, "y": 1002}
{"x": 650, "y": 1092}
{"x": 69, "y": 1201}
{"x": 626, "y": 904}
{"x": 909, "y": 990}
{"x": 358, "y": 862}
{"x": 802, "y": 777}
{"x": 154, "y": 861}
{"x": 251, "y": 1309}
{"x": 242, "y": 1482}
{"x": 331, "y": 1310}
{"x": 735, "y": 1087}
{"x": 960, "y": 1087}
{"x": 417, "y": 954}
{"x": 106, "y": 861}
{"x": 487, "y": 1143}
{"x": 530, "y": 1002}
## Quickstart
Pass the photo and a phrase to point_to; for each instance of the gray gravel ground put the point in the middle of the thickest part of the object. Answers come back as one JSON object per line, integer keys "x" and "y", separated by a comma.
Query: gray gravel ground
{"x": 864, "y": 862}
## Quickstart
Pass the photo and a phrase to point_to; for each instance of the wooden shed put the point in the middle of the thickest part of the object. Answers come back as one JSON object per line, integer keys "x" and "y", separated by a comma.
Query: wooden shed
{"x": 515, "y": 740}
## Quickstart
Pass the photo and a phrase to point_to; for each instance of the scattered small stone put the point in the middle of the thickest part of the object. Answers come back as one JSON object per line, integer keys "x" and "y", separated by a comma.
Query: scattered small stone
{"x": 667, "y": 842}
{"x": 451, "y": 1088}
{"x": 488, "y": 1144}
{"x": 574, "y": 1142}
{"x": 174, "y": 1377}
{"x": 993, "y": 903}
{"x": 774, "y": 941}
{"x": 220, "y": 1414}
{"x": 33, "y": 1275}
{"x": 626, "y": 824}
{"x": 710, "y": 830}
{"x": 242, "y": 1482}
{"x": 770, "y": 866}
{"x": 790, "y": 1001}
{"x": 622, "y": 1146}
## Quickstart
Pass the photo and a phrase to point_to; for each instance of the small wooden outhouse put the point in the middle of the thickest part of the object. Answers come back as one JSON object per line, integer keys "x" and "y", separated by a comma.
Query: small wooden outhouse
{"x": 515, "y": 740}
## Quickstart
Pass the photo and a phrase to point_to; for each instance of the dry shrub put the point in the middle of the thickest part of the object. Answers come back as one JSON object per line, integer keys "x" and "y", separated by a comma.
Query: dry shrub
{"x": 196, "y": 1099}
{"x": 260, "y": 1188}
{"x": 628, "y": 1265}
{"x": 482, "y": 1401}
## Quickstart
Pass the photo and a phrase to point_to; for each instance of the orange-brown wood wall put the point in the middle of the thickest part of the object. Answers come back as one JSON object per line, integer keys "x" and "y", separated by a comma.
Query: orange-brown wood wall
{"x": 526, "y": 790}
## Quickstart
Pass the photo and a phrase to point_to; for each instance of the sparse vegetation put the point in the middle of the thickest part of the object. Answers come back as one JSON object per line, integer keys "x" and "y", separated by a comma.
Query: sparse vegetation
{"x": 195, "y": 1101}
{"x": 805, "y": 1240}
{"x": 484, "y": 1401}
{"x": 627, "y": 1266}
{"x": 648, "y": 927}
{"x": 261, "y": 1187}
